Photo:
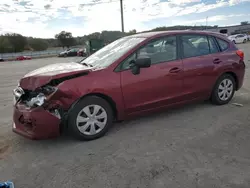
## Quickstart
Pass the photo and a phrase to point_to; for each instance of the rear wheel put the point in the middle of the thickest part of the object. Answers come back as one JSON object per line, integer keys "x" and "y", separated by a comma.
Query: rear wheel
{"x": 90, "y": 118}
{"x": 244, "y": 41}
{"x": 224, "y": 90}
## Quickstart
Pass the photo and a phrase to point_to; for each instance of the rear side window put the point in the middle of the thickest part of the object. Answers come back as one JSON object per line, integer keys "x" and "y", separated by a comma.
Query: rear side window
{"x": 212, "y": 45}
{"x": 194, "y": 45}
{"x": 223, "y": 44}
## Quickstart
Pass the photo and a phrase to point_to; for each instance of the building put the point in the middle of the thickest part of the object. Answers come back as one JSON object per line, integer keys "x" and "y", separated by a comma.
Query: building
{"x": 231, "y": 30}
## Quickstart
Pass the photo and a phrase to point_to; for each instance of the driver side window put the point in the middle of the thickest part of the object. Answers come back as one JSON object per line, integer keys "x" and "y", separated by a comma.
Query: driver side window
{"x": 160, "y": 50}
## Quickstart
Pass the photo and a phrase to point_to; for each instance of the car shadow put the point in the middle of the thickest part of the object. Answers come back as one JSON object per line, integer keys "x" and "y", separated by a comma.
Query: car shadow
{"x": 117, "y": 130}
{"x": 160, "y": 115}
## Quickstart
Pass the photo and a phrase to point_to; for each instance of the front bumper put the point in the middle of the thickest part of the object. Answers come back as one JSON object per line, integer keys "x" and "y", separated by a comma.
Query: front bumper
{"x": 36, "y": 123}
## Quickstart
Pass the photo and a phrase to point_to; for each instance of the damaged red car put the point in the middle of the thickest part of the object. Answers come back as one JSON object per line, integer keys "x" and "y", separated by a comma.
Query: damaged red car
{"x": 132, "y": 76}
{"x": 21, "y": 58}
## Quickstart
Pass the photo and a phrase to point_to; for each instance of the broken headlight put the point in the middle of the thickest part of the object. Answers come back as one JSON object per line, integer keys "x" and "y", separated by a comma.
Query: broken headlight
{"x": 48, "y": 90}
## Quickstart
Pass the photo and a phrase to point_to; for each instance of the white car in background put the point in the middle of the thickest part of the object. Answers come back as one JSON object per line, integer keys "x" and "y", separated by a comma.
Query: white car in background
{"x": 239, "y": 38}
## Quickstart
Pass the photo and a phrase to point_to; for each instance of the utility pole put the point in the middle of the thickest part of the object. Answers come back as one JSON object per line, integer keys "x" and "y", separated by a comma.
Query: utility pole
{"x": 122, "y": 20}
{"x": 206, "y": 22}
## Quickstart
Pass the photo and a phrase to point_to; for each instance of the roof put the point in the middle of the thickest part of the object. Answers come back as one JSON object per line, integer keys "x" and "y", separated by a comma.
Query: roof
{"x": 161, "y": 33}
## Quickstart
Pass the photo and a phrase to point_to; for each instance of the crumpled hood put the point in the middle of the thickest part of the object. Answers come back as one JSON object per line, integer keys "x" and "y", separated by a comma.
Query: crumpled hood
{"x": 44, "y": 75}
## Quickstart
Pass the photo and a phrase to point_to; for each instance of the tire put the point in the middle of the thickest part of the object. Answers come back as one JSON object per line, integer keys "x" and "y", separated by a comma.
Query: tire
{"x": 234, "y": 42}
{"x": 244, "y": 41}
{"x": 217, "y": 93}
{"x": 88, "y": 123}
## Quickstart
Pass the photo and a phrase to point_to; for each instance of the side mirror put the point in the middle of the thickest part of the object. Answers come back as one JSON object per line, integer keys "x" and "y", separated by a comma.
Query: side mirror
{"x": 143, "y": 62}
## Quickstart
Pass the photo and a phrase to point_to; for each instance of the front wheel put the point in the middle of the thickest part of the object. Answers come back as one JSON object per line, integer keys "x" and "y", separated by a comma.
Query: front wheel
{"x": 223, "y": 90}
{"x": 90, "y": 118}
{"x": 244, "y": 41}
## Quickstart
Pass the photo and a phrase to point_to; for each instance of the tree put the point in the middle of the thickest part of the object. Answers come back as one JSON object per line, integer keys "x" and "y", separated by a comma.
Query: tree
{"x": 110, "y": 36}
{"x": 17, "y": 41}
{"x": 65, "y": 39}
{"x": 244, "y": 23}
{"x": 38, "y": 44}
{"x": 131, "y": 32}
{"x": 5, "y": 45}
{"x": 95, "y": 35}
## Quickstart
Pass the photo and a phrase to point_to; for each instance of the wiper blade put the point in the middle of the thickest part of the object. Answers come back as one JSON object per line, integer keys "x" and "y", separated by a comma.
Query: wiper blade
{"x": 88, "y": 65}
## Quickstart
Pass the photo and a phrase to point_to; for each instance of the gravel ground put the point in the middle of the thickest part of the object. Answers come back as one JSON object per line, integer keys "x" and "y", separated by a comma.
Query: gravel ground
{"x": 198, "y": 145}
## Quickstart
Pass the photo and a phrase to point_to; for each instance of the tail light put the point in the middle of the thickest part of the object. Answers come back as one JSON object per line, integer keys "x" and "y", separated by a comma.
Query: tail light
{"x": 240, "y": 54}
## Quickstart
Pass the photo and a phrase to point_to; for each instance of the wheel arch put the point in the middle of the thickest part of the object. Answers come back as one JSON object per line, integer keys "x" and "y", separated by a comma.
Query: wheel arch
{"x": 108, "y": 99}
{"x": 101, "y": 95}
{"x": 235, "y": 78}
{"x": 213, "y": 97}
{"x": 64, "y": 123}
{"x": 233, "y": 74}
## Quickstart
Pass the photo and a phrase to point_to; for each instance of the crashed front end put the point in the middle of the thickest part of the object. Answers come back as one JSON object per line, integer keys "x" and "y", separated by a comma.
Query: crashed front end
{"x": 43, "y": 97}
{"x": 35, "y": 115}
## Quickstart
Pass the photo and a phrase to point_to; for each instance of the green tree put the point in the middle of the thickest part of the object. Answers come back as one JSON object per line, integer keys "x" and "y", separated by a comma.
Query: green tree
{"x": 132, "y": 32}
{"x": 244, "y": 23}
{"x": 38, "y": 44}
{"x": 110, "y": 36}
{"x": 17, "y": 41}
{"x": 5, "y": 45}
{"x": 65, "y": 39}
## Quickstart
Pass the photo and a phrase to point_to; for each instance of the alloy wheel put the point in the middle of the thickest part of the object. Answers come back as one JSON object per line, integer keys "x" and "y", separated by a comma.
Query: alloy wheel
{"x": 225, "y": 89}
{"x": 91, "y": 119}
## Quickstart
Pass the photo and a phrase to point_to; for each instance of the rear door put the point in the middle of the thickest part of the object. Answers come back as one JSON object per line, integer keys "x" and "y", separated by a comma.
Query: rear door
{"x": 156, "y": 86}
{"x": 200, "y": 55}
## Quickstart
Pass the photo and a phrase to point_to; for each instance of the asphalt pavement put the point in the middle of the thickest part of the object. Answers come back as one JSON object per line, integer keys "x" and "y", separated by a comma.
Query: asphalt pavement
{"x": 198, "y": 145}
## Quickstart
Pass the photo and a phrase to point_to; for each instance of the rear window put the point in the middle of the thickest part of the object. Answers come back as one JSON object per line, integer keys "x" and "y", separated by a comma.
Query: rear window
{"x": 223, "y": 44}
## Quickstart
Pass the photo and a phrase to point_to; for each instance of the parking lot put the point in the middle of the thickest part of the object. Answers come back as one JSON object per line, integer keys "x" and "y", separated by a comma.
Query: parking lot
{"x": 198, "y": 145}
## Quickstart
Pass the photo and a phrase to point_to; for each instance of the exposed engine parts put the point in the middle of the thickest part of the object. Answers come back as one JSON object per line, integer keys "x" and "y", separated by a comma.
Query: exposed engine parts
{"x": 36, "y": 101}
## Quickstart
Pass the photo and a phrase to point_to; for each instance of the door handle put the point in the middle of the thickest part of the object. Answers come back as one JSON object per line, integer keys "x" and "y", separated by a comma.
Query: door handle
{"x": 216, "y": 61}
{"x": 175, "y": 70}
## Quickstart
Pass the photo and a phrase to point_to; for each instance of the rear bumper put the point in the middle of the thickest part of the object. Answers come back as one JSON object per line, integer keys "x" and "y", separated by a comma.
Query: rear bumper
{"x": 35, "y": 123}
{"x": 241, "y": 75}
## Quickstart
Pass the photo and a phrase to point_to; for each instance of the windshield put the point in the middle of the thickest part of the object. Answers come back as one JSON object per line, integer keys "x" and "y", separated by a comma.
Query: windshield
{"x": 110, "y": 53}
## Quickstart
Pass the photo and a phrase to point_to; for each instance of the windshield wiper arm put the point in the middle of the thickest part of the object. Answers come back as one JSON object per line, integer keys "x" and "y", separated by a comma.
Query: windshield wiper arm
{"x": 88, "y": 65}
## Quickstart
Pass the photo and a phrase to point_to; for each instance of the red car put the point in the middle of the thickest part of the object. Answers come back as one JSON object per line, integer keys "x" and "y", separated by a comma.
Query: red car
{"x": 81, "y": 52}
{"x": 132, "y": 76}
{"x": 20, "y": 58}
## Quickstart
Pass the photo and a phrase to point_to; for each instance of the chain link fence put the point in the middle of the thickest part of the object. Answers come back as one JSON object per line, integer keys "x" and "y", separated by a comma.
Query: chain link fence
{"x": 33, "y": 54}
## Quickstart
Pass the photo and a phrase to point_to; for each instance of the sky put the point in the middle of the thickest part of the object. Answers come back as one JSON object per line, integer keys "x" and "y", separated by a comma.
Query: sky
{"x": 45, "y": 18}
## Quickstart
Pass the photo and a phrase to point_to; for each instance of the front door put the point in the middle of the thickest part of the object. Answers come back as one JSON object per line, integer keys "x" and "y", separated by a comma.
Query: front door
{"x": 156, "y": 86}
